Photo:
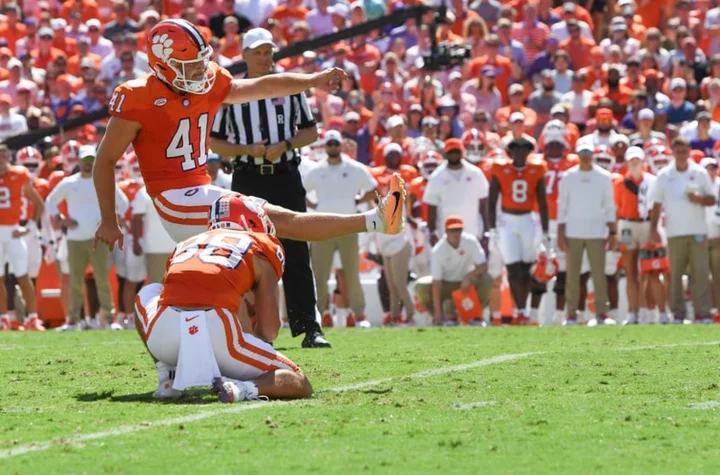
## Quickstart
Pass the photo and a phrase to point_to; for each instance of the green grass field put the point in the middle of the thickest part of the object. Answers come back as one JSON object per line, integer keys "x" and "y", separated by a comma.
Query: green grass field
{"x": 441, "y": 400}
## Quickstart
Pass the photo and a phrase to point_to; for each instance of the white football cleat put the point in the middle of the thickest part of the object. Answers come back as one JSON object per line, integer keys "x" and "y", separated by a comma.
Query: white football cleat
{"x": 68, "y": 326}
{"x": 593, "y": 322}
{"x": 166, "y": 378}
{"x": 609, "y": 321}
{"x": 631, "y": 320}
{"x": 165, "y": 390}
{"x": 664, "y": 319}
{"x": 570, "y": 322}
{"x": 229, "y": 391}
{"x": 115, "y": 325}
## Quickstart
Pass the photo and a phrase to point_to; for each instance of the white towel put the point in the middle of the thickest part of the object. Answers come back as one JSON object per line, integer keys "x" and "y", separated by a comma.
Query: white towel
{"x": 197, "y": 365}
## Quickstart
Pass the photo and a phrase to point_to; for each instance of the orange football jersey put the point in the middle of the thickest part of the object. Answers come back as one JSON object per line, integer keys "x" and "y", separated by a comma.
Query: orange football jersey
{"x": 518, "y": 188}
{"x": 553, "y": 175}
{"x": 417, "y": 189}
{"x": 130, "y": 189}
{"x": 486, "y": 166}
{"x": 11, "y": 194}
{"x": 215, "y": 268}
{"x": 172, "y": 145}
{"x": 28, "y": 207}
{"x": 383, "y": 174}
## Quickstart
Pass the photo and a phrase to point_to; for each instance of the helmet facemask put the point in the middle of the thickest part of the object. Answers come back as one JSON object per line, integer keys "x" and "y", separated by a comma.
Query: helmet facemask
{"x": 184, "y": 69}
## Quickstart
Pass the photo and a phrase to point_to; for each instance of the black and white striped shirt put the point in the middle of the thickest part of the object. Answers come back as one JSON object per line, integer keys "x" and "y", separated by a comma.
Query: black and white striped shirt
{"x": 273, "y": 120}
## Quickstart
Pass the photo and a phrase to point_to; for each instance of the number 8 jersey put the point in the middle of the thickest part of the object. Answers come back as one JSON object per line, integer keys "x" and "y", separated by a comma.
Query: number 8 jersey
{"x": 215, "y": 269}
{"x": 172, "y": 144}
{"x": 518, "y": 187}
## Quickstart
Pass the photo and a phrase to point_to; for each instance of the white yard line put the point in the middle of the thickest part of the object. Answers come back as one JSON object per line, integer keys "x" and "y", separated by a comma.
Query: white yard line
{"x": 436, "y": 371}
{"x": 704, "y": 405}
{"x": 75, "y": 439}
{"x": 669, "y": 345}
{"x": 473, "y": 405}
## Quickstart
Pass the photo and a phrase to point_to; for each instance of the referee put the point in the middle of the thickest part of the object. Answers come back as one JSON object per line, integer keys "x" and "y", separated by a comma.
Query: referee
{"x": 264, "y": 137}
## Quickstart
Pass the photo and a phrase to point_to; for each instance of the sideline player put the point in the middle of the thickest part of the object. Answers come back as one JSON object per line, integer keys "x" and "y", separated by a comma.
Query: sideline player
{"x": 166, "y": 117}
{"x": 14, "y": 183}
{"x": 130, "y": 267}
{"x": 557, "y": 162}
{"x": 521, "y": 185}
{"x": 207, "y": 276}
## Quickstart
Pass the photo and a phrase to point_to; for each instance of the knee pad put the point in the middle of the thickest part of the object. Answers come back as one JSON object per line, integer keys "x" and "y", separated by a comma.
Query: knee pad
{"x": 559, "y": 288}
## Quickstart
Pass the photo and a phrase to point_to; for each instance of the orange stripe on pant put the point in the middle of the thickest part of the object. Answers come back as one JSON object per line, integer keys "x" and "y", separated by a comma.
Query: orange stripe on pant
{"x": 183, "y": 221}
{"x": 235, "y": 353}
{"x": 143, "y": 317}
{"x": 254, "y": 349}
{"x": 182, "y": 208}
{"x": 148, "y": 325}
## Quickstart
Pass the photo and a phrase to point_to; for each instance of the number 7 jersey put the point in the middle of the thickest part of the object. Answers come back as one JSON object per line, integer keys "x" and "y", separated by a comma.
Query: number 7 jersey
{"x": 172, "y": 144}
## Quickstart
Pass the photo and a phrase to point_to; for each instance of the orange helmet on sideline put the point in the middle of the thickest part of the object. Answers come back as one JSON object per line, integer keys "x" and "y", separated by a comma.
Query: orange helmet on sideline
{"x": 545, "y": 267}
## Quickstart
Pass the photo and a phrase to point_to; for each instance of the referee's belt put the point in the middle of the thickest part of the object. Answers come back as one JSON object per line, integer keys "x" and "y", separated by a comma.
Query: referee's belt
{"x": 635, "y": 220}
{"x": 266, "y": 168}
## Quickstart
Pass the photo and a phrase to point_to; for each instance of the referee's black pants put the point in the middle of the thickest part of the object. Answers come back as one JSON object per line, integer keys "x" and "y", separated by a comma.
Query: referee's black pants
{"x": 286, "y": 190}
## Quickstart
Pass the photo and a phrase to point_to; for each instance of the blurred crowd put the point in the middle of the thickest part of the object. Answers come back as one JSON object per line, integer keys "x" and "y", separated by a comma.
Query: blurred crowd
{"x": 609, "y": 75}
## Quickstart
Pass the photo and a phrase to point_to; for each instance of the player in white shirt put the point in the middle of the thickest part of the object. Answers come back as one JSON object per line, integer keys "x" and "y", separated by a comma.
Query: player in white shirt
{"x": 130, "y": 264}
{"x": 149, "y": 236}
{"x": 457, "y": 187}
{"x": 712, "y": 217}
{"x": 457, "y": 262}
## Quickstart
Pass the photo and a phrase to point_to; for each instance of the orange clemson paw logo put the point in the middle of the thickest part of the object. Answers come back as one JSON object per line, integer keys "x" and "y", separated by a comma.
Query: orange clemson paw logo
{"x": 193, "y": 330}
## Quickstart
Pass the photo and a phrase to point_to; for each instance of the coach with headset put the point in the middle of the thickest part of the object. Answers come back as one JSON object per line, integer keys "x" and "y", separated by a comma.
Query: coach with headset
{"x": 264, "y": 137}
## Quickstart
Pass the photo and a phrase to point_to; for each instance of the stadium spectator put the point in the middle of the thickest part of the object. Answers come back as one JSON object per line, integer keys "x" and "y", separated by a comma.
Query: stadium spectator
{"x": 11, "y": 123}
{"x": 457, "y": 262}
{"x": 99, "y": 45}
{"x": 683, "y": 190}
{"x": 586, "y": 223}
{"x": 680, "y": 110}
{"x": 122, "y": 23}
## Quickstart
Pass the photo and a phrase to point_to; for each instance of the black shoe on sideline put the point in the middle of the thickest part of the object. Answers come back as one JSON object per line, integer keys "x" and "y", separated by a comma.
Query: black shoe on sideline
{"x": 315, "y": 339}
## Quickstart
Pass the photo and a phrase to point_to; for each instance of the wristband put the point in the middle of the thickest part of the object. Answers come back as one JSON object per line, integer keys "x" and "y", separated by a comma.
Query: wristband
{"x": 288, "y": 145}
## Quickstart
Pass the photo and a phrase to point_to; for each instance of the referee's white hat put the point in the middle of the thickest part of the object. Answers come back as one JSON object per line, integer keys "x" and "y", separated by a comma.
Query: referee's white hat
{"x": 258, "y": 37}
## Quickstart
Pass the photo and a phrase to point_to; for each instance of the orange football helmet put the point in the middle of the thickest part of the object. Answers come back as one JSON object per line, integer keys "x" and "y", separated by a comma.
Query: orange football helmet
{"x": 545, "y": 267}
{"x": 474, "y": 141}
{"x": 428, "y": 162}
{"x": 180, "y": 56}
{"x": 603, "y": 158}
{"x": 241, "y": 213}
{"x": 69, "y": 153}
{"x": 29, "y": 158}
{"x": 658, "y": 157}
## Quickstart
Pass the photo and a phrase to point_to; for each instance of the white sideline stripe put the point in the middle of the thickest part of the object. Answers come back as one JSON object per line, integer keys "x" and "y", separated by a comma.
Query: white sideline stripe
{"x": 40, "y": 446}
{"x": 473, "y": 405}
{"x": 437, "y": 371}
{"x": 669, "y": 345}
{"x": 704, "y": 405}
